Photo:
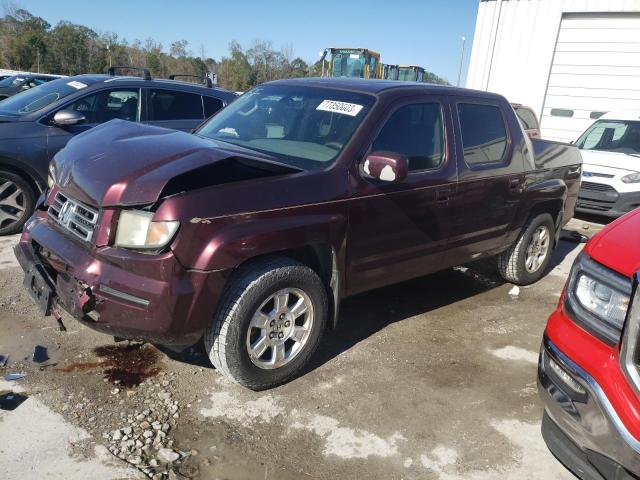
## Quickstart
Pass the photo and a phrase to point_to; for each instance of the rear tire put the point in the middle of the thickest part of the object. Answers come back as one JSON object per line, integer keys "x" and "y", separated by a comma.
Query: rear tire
{"x": 526, "y": 260}
{"x": 258, "y": 337}
{"x": 17, "y": 201}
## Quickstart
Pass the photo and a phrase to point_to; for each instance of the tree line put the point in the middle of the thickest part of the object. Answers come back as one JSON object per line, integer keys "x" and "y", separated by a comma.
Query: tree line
{"x": 30, "y": 43}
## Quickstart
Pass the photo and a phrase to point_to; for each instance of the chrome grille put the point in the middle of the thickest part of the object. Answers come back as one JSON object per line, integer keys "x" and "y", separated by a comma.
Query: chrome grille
{"x": 78, "y": 218}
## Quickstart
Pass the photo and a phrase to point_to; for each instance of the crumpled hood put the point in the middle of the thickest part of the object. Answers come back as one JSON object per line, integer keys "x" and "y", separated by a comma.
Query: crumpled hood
{"x": 125, "y": 163}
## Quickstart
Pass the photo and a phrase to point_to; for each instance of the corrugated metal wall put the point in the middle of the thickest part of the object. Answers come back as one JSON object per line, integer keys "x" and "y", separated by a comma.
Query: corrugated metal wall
{"x": 515, "y": 40}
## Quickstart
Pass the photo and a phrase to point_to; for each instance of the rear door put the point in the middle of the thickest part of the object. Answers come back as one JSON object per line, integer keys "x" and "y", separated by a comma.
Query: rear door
{"x": 400, "y": 230}
{"x": 490, "y": 181}
{"x": 174, "y": 109}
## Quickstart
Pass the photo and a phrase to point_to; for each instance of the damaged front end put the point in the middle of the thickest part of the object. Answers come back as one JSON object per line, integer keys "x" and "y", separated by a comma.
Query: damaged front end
{"x": 123, "y": 293}
{"x": 102, "y": 246}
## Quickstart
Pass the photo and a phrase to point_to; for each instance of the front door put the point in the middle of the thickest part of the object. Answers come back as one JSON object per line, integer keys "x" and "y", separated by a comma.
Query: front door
{"x": 399, "y": 230}
{"x": 98, "y": 107}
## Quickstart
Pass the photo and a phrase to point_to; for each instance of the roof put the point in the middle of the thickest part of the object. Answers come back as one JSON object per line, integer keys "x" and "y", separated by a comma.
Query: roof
{"x": 355, "y": 49}
{"x": 91, "y": 79}
{"x": 377, "y": 87}
{"x": 630, "y": 115}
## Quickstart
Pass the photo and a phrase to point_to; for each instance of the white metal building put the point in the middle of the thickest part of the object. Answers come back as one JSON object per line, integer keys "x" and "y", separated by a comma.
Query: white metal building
{"x": 570, "y": 60}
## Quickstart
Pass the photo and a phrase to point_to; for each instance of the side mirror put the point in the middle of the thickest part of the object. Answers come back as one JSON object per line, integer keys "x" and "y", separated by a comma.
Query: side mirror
{"x": 386, "y": 166}
{"x": 68, "y": 117}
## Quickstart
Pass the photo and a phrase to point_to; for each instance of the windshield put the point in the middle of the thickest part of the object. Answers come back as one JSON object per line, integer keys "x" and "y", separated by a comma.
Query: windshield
{"x": 612, "y": 136}
{"x": 348, "y": 65}
{"x": 39, "y": 97}
{"x": 13, "y": 81}
{"x": 407, "y": 74}
{"x": 304, "y": 127}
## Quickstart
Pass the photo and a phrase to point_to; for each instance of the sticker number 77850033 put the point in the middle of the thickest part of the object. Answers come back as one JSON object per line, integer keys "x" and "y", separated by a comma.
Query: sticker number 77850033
{"x": 351, "y": 109}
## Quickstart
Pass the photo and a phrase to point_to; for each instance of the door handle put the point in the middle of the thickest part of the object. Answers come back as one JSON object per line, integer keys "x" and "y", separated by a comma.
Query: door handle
{"x": 442, "y": 195}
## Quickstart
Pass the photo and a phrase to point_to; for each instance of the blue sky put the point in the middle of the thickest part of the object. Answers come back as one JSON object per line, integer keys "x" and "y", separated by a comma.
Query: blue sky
{"x": 424, "y": 32}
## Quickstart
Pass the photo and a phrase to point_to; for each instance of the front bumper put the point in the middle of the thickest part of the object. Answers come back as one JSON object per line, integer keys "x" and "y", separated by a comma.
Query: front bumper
{"x": 121, "y": 293}
{"x": 610, "y": 203}
{"x": 583, "y": 430}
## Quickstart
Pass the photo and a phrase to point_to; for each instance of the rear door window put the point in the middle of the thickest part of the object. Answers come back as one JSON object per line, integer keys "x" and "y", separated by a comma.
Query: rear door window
{"x": 106, "y": 105}
{"x": 211, "y": 106}
{"x": 484, "y": 133}
{"x": 174, "y": 105}
{"x": 415, "y": 130}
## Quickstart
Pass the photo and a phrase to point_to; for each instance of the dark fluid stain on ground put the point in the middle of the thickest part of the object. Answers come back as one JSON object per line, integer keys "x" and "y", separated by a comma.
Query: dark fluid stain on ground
{"x": 10, "y": 400}
{"x": 128, "y": 365}
{"x": 80, "y": 366}
{"x": 124, "y": 365}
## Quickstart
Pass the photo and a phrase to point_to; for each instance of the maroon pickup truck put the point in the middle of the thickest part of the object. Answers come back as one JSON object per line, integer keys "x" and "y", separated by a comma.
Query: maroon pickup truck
{"x": 251, "y": 231}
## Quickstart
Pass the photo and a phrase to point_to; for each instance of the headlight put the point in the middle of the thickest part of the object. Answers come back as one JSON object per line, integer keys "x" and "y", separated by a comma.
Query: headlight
{"x": 51, "y": 177}
{"x": 597, "y": 298}
{"x": 137, "y": 230}
{"x": 601, "y": 300}
{"x": 631, "y": 178}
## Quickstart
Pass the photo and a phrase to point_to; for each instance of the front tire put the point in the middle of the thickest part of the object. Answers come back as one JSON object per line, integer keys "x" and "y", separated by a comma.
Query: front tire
{"x": 269, "y": 323}
{"x": 525, "y": 261}
{"x": 17, "y": 201}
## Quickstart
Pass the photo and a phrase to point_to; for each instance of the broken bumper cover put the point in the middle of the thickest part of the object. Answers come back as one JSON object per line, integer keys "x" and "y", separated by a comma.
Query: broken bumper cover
{"x": 581, "y": 428}
{"x": 122, "y": 293}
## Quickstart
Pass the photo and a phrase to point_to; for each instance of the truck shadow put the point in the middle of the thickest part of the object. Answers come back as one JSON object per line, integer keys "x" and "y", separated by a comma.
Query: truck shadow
{"x": 365, "y": 314}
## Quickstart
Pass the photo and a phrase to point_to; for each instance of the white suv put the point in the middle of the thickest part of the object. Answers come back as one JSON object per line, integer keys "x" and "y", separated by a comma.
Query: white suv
{"x": 611, "y": 170}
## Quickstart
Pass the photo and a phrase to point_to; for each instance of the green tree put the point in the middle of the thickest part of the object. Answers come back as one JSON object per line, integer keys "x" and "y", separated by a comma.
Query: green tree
{"x": 431, "y": 77}
{"x": 69, "y": 52}
{"x": 23, "y": 40}
{"x": 235, "y": 71}
{"x": 299, "y": 68}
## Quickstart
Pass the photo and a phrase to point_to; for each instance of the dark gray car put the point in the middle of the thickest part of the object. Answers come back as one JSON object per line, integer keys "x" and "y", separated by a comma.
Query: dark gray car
{"x": 13, "y": 84}
{"x": 37, "y": 123}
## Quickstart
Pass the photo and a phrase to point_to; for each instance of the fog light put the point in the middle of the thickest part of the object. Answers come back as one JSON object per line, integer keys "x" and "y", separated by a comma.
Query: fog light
{"x": 565, "y": 377}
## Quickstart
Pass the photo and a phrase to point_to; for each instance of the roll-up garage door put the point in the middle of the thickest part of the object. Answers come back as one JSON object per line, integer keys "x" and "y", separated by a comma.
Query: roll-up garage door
{"x": 596, "y": 69}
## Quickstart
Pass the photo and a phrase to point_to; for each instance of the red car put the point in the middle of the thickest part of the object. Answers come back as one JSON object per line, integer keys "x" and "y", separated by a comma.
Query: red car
{"x": 589, "y": 373}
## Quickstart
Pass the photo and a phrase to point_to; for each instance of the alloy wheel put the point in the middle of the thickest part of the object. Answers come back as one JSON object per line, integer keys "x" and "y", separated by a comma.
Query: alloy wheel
{"x": 280, "y": 328}
{"x": 538, "y": 249}
{"x": 12, "y": 203}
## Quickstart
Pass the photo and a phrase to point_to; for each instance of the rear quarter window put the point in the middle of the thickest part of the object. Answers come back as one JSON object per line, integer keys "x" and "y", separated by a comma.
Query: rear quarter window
{"x": 484, "y": 133}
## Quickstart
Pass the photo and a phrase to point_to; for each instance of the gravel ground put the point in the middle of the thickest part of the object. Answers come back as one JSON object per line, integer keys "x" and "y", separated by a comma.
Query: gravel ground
{"x": 429, "y": 379}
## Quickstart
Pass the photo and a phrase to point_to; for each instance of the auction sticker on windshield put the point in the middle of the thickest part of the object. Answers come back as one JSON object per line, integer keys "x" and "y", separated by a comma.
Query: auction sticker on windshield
{"x": 351, "y": 109}
{"x": 77, "y": 85}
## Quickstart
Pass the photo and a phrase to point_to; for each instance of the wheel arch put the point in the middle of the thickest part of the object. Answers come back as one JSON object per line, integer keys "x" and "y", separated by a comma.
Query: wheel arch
{"x": 555, "y": 208}
{"x": 550, "y": 197}
{"x": 28, "y": 177}
{"x": 322, "y": 258}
